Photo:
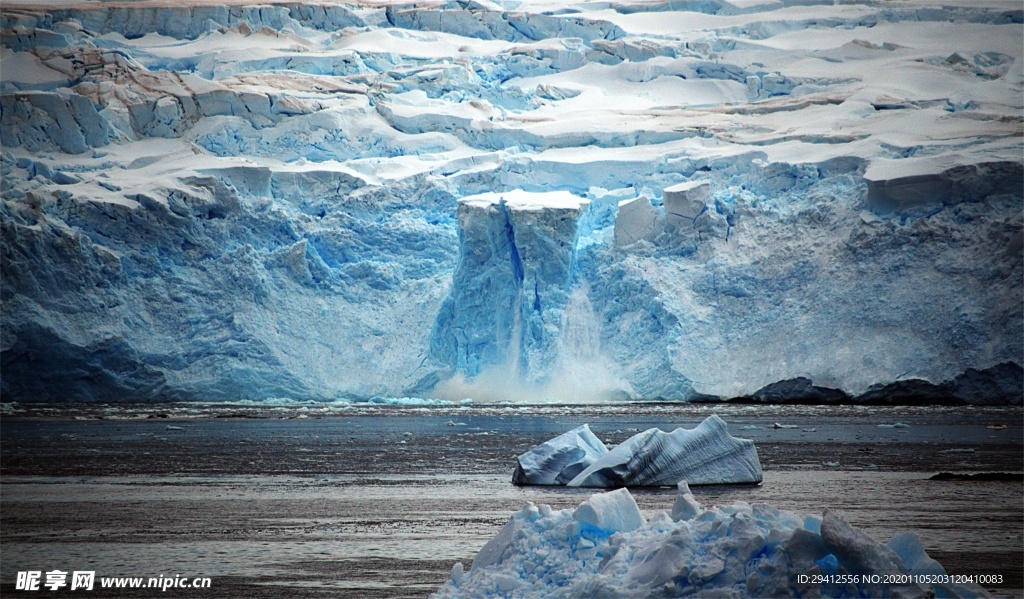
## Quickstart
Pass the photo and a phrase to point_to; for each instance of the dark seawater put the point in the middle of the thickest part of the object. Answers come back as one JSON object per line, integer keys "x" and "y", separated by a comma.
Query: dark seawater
{"x": 335, "y": 500}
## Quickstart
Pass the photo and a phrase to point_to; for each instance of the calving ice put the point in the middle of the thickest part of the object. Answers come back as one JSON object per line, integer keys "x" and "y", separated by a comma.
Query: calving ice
{"x": 515, "y": 201}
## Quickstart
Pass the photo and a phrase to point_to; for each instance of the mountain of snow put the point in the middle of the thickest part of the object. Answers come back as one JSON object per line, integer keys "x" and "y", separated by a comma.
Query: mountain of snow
{"x": 607, "y": 548}
{"x": 523, "y": 200}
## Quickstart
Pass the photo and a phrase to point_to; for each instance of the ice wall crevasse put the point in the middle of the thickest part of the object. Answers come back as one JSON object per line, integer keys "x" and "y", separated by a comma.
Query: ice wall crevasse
{"x": 187, "y": 22}
{"x": 511, "y": 287}
{"x": 42, "y": 120}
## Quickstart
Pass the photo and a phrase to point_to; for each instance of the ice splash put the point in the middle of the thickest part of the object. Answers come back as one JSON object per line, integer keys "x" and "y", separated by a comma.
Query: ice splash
{"x": 518, "y": 326}
{"x": 514, "y": 363}
{"x": 581, "y": 372}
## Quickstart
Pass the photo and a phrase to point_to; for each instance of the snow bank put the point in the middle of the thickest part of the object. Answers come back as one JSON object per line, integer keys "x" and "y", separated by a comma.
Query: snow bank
{"x": 605, "y": 548}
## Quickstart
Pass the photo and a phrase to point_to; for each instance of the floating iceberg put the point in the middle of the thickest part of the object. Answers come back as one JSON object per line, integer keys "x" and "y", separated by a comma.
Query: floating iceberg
{"x": 605, "y": 548}
{"x": 559, "y": 460}
{"x": 704, "y": 455}
{"x": 405, "y": 401}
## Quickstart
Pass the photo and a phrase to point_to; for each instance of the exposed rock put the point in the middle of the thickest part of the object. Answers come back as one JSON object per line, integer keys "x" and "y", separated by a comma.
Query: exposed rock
{"x": 799, "y": 390}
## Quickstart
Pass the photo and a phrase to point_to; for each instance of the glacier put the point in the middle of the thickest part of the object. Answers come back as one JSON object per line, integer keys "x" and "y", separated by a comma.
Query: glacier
{"x": 523, "y": 200}
{"x": 607, "y": 548}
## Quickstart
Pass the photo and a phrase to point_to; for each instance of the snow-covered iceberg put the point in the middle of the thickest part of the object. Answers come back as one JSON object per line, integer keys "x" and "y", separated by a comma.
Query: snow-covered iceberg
{"x": 704, "y": 455}
{"x": 606, "y": 548}
{"x": 559, "y": 460}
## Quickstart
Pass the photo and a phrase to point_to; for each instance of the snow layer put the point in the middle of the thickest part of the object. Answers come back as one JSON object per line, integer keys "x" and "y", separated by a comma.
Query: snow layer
{"x": 227, "y": 201}
{"x": 606, "y": 548}
{"x": 704, "y": 455}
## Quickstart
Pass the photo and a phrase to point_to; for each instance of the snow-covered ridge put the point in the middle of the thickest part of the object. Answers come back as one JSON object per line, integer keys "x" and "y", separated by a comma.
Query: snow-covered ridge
{"x": 225, "y": 200}
{"x": 607, "y": 548}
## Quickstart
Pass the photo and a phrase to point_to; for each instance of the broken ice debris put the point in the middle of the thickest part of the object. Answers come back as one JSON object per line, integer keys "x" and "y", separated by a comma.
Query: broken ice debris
{"x": 637, "y": 219}
{"x": 606, "y": 548}
{"x": 609, "y": 513}
{"x": 685, "y": 202}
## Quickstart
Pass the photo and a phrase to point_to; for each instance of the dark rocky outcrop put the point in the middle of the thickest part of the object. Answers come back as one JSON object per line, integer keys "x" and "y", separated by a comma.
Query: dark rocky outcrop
{"x": 800, "y": 391}
{"x": 1002, "y": 384}
{"x": 999, "y": 384}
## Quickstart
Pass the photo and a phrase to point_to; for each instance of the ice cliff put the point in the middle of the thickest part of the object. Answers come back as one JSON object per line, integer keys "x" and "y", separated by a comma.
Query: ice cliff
{"x": 511, "y": 286}
{"x": 516, "y": 200}
{"x": 607, "y": 548}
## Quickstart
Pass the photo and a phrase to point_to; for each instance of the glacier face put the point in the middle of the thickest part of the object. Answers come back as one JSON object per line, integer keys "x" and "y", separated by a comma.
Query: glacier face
{"x": 510, "y": 288}
{"x": 514, "y": 200}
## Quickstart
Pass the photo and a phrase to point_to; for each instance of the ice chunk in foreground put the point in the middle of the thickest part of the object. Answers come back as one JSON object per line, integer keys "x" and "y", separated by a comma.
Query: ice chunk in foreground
{"x": 559, "y": 460}
{"x": 731, "y": 551}
{"x": 858, "y": 551}
{"x": 494, "y": 551}
{"x": 686, "y": 506}
{"x": 611, "y": 512}
{"x": 704, "y": 455}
